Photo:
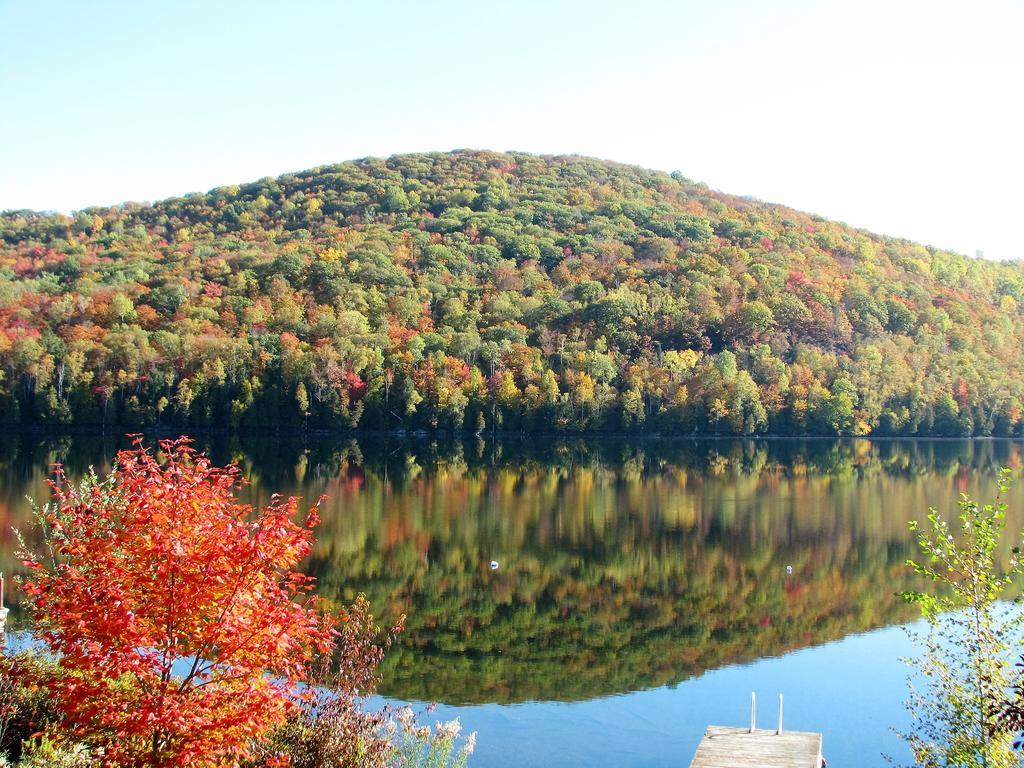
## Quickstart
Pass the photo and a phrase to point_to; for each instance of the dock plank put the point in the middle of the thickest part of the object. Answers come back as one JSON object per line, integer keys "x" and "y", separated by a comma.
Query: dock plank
{"x": 724, "y": 747}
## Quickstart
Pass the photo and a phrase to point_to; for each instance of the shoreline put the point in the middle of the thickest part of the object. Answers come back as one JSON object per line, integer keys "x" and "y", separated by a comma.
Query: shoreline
{"x": 452, "y": 435}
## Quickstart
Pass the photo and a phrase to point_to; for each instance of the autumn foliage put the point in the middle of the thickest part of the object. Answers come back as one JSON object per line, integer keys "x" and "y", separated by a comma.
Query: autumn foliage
{"x": 477, "y": 290}
{"x": 182, "y": 628}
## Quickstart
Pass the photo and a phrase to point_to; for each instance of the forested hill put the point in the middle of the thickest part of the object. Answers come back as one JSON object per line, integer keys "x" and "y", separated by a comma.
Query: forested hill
{"x": 477, "y": 290}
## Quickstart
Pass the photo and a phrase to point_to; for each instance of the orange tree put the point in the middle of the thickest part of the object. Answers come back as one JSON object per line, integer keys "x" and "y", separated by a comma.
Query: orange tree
{"x": 182, "y": 631}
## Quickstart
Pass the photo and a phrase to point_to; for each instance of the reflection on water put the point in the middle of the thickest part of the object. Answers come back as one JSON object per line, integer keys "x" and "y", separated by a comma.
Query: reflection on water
{"x": 622, "y": 566}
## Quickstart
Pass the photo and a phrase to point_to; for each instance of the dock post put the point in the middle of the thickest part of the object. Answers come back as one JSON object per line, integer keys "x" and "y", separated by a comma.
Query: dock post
{"x": 753, "y": 711}
{"x": 779, "y": 731}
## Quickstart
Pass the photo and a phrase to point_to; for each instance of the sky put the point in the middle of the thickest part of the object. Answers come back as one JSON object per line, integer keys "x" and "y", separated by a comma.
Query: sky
{"x": 898, "y": 116}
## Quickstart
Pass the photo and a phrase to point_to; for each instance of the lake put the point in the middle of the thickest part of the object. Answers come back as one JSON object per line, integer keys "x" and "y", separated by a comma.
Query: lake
{"x": 642, "y": 589}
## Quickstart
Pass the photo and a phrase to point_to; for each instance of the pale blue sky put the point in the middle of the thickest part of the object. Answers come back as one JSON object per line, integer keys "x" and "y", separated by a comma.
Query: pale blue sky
{"x": 901, "y": 116}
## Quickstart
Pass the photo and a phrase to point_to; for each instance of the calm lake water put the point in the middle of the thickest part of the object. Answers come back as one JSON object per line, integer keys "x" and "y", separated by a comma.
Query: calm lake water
{"x": 642, "y": 589}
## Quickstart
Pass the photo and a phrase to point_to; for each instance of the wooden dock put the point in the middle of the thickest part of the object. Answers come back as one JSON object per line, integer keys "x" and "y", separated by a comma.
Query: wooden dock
{"x": 724, "y": 747}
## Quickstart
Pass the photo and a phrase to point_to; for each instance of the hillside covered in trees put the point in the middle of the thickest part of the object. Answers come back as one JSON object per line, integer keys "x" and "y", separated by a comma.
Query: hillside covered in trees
{"x": 477, "y": 290}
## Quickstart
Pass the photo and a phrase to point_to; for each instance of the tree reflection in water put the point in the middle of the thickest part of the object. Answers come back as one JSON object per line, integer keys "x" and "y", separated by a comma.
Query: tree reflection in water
{"x": 624, "y": 565}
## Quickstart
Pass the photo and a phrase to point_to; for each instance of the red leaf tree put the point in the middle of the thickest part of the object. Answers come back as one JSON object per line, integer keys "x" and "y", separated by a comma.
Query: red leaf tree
{"x": 182, "y": 629}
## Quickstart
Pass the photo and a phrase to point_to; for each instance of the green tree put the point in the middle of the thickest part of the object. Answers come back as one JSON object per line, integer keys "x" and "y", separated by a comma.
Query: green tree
{"x": 836, "y": 407}
{"x": 302, "y": 399}
{"x": 965, "y": 670}
{"x": 754, "y": 319}
{"x": 632, "y": 407}
{"x": 122, "y": 307}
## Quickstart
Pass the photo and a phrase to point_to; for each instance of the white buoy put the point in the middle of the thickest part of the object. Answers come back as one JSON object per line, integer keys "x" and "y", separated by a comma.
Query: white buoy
{"x": 494, "y": 565}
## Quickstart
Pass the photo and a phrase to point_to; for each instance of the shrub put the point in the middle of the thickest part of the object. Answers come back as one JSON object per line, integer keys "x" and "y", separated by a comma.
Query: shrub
{"x": 332, "y": 729}
{"x": 47, "y": 753}
{"x": 419, "y": 746}
{"x": 965, "y": 671}
{"x": 25, "y": 707}
{"x": 181, "y": 627}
